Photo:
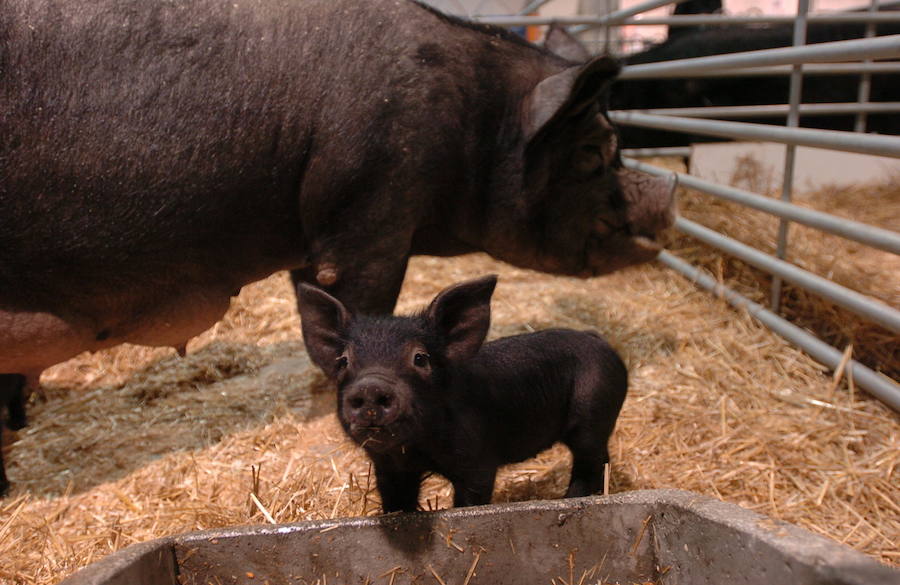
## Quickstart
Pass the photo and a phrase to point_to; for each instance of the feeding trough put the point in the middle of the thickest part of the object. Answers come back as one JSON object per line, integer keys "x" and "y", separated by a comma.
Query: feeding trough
{"x": 656, "y": 536}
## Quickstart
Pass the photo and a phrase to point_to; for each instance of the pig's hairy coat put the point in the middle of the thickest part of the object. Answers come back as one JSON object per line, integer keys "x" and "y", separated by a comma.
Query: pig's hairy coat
{"x": 422, "y": 394}
{"x": 158, "y": 156}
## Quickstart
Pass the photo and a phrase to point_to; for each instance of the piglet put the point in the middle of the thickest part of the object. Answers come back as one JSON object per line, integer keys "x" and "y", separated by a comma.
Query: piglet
{"x": 421, "y": 393}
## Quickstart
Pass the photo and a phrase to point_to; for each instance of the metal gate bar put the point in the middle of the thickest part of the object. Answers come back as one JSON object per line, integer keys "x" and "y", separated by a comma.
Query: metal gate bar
{"x": 810, "y": 69}
{"x": 876, "y": 384}
{"x": 774, "y": 110}
{"x": 790, "y": 152}
{"x": 865, "y": 81}
{"x": 676, "y": 151}
{"x": 849, "y": 299}
{"x": 623, "y": 18}
{"x": 885, "y": 47}
{"x": 714, "y": 20}
{"x": 876, "y": 144}
{"x": 613, "y": 18}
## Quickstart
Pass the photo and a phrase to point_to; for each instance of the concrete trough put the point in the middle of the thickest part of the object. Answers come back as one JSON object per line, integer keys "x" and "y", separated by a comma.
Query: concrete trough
{"x": 667, "y": 537}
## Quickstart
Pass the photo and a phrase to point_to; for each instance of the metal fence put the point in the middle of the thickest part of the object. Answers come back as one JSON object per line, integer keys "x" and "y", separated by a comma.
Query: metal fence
{"x": 829, "y": 58}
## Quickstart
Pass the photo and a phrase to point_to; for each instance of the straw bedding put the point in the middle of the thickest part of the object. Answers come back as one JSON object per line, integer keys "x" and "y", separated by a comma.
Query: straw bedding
{"x": 872, "y": 272}
{"x": 134, "y": 443}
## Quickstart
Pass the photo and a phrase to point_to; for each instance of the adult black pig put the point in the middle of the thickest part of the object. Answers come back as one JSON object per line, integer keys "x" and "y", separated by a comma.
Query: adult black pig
{"x": 157, "y": 156}
{"x": 422, "y": 394}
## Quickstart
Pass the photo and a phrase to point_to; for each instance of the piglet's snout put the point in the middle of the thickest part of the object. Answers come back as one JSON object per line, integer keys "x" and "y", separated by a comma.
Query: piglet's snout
{"x": 371, "y": 402}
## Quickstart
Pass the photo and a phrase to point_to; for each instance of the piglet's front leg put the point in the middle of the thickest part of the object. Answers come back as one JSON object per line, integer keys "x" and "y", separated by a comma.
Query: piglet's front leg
{"x": 475, "y": 489}
{"x": 399, "y": 488}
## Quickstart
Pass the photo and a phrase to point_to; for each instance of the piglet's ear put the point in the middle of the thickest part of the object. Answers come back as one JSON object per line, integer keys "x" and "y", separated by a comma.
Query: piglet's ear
{"x": 323, "y": 318}
{"x": 461, "y": 314}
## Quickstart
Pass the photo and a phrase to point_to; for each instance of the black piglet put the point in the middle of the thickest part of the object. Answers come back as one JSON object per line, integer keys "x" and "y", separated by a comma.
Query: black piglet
{"x": 424, "y": 393}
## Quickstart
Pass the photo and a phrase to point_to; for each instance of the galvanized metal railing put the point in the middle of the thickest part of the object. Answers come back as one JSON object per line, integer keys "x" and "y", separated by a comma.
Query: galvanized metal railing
{"x": 798, "y": 61}
{"x": 877, "y": 144}
{"x": 626, "y": 18}
{"x": 887, "y": 47}
{"x": 774, "y": 110}
{"x": 811, "y": 69}
{"x": 878, "y": 385}
{"x": 613, "y": 18}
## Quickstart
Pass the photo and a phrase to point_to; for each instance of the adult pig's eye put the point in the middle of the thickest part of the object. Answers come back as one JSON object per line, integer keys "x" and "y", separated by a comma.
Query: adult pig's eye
{"x": 421, "y": 360}
{"x": 341, "y": 362}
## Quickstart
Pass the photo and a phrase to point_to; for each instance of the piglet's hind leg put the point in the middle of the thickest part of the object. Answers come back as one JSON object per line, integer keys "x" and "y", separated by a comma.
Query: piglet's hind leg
{"x": 589, "y": 455}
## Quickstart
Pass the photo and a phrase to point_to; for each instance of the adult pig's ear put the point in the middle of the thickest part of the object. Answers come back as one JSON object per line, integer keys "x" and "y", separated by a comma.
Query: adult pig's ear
{"x": 323, "y": 318}
{"x": 566, "y": 94}
{"x": 461, "y": 314}
{"x": 564, "y": 44}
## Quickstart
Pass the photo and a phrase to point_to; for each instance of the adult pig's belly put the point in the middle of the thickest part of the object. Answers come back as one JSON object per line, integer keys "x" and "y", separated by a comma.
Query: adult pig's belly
{"x": 32, "y": 340}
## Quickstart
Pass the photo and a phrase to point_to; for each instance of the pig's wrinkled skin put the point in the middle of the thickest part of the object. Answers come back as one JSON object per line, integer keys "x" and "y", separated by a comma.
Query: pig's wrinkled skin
{"x": 422, "y": 394}
{"x": 157, "y": 156}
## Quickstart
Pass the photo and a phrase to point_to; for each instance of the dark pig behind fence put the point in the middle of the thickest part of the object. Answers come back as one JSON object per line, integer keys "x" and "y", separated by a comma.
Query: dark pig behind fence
{"x": 157, "y": 156}
{"x": 638, "y": 94}
{"x": 422, "y": 394}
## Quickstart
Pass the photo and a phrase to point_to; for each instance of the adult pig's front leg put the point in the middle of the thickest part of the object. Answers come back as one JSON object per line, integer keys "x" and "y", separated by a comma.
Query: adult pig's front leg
{"x": 364, "y": 286}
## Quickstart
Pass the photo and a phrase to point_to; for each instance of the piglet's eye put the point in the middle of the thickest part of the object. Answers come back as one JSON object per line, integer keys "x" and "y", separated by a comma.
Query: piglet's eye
{"x": 421, "y": 360}
{"x": 341, "y": 362}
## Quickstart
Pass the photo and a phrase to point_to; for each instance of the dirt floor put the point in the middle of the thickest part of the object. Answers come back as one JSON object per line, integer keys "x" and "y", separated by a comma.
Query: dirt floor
{"x": 132, "y": 443}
